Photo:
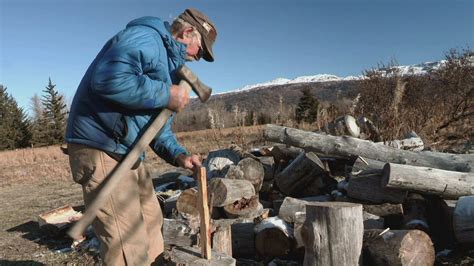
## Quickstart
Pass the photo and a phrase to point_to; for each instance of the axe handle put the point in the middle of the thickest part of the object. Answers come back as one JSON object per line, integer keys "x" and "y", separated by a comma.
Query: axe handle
{"x": 114, "y": 177}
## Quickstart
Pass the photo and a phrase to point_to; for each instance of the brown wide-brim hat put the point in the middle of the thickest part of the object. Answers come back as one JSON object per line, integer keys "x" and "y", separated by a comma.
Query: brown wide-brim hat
{"x": 205, "y": 27}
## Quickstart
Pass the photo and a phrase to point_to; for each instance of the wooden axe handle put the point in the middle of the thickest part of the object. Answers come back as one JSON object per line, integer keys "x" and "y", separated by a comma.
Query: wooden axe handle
{"x": 114, "y": 177}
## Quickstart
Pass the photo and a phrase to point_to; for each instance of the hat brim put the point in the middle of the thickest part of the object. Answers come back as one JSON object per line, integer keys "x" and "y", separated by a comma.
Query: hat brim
{"x": 208, "y": 54}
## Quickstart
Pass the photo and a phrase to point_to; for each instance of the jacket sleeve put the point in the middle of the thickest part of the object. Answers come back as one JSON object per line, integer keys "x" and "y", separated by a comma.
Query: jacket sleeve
{"x": 166, "y": 145}
{"x": 121, "y": 74}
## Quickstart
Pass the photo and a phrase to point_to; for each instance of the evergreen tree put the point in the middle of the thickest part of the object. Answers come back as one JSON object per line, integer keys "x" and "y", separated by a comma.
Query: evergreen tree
{"x": 54, "y": 117}
{"x": 14, "y": 125}
{"x": 307, "y": 109}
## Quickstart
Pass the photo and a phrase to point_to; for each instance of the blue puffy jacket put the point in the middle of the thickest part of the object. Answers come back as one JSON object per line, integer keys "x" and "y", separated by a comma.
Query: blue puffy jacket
{"x": 127, "y": 84}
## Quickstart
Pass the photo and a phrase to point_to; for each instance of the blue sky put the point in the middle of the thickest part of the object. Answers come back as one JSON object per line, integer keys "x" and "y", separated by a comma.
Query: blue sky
{"x": 257, "y": 41}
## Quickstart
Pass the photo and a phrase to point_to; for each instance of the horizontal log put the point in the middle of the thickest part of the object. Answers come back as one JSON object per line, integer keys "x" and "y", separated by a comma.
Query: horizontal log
{"x": 425, "y": 180}
{"x": 384, "y": 209}
{"x": 192, "y": 256}
{"x": 291, "y": 206}
{"x": 367, "y": 187}
{"x": 352, "y": 147}
{"x": 227, "y": 191}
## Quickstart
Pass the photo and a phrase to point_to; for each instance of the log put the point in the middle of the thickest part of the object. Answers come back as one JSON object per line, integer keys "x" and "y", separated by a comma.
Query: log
{"x": 273, "y": 238}
{"x": 178, "y": 233}
{"x": 305, "y": 172}
{"x": 243, "y": 240}
{"x": 187, "y": 203}
{"x": 227, "y": 191}
{"x": 447, "y": 184}
{"x": 54, "y": 223}
{"x": 268, "y": 163}
{"x": 243, "y": 208}
{"x": 351, "y": 147}
{"x": 463, "y": 220}
{"x": 291, "y": 206}
{"x": 398, "y": 247}
{"x": 412, "y": 144}
{"x": 218, "y": 162}
{"x": 248, "y": 169}
{"x": 372, "y": 221}
{"x": 222, "y": 239}
{"x": 326, "y": 230}
{"x": 345, "y": 125}
{"x": 367, "y": 186}
{"x": 415, "y": 216}
{"x": 191, "y": 256}
{"x": 385, "y": 209}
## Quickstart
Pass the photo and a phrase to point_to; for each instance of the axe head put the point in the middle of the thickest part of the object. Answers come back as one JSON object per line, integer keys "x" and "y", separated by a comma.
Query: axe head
{"x": 203, "y": 91}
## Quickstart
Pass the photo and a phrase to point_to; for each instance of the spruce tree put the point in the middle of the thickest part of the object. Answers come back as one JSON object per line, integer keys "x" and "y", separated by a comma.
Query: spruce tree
{"x": 14, "y": 124}
{"x": 307, "y": 109}
{"x": 54, "y": 117}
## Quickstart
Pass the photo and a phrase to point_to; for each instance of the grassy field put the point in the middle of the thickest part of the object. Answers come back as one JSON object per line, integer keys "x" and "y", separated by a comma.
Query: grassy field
{"x": 33, "y": 181}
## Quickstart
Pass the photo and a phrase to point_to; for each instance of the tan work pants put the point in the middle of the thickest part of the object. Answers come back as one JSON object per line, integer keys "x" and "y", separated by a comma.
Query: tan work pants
{"x": 129, "y": 224}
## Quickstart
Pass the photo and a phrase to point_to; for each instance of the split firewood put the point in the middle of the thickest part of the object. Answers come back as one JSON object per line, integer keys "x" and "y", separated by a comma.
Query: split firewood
{"x": 56, "y": 221}
{"x": 352, "y": 147}
{"x": 305, "y": 173}
{"x": 326, "y": 230}
{"x": 222, "y": 238}
{"x": 398, "y": 247}
{"x": 248, "y": 169}
{"x": 227, "y": 191}
{"x": 425, "y": 180}
{"x": 273, "y": 238}
{"x": 463, "y": 220}
{"x": 186, "y": 205}
{"x": 179, "y": 233}
{"x": 291, "y": 206}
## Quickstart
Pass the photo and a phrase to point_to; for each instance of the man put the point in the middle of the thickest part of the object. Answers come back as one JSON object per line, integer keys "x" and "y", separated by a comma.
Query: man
{"x": 131, "y": 80}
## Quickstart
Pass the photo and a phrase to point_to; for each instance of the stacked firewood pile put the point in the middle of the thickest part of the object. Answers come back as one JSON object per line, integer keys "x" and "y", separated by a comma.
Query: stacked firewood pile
{"x": 321, "y": 199}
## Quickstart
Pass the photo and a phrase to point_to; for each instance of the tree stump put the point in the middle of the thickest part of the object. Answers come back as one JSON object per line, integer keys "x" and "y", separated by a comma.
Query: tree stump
{"x": 333, "y": 233}
{"x": 398, "y": 247}
{"x": 222, "y": 238}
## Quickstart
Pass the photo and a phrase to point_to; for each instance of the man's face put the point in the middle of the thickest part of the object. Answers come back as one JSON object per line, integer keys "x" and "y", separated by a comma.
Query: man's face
{"x": 194, "y": 49}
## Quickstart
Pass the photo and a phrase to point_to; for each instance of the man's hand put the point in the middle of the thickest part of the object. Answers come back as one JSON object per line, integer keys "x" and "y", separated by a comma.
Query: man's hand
{"x": 191, "y": 162}
{"x": 178, "y": 98}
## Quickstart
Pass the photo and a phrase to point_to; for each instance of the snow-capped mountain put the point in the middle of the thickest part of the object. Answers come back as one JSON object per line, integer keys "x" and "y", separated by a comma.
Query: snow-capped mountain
{"x": 418, "y": 69}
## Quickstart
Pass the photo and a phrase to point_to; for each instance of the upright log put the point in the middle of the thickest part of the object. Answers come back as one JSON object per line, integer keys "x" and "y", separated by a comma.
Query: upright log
{"x": 351, "y": 147}
{"x": 222, "y": 238}
{"x": 398, "y": 247}
{"x": 463, "y": 220}
{"x": 447, "y": 184}
{"x": 305, "y": 172}
{"x": 227, "y": 191}
{"x": 326, "y": 233}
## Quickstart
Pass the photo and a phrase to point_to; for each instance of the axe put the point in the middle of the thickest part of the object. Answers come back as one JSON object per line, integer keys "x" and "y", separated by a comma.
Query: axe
{"x": 188, "y": 81}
